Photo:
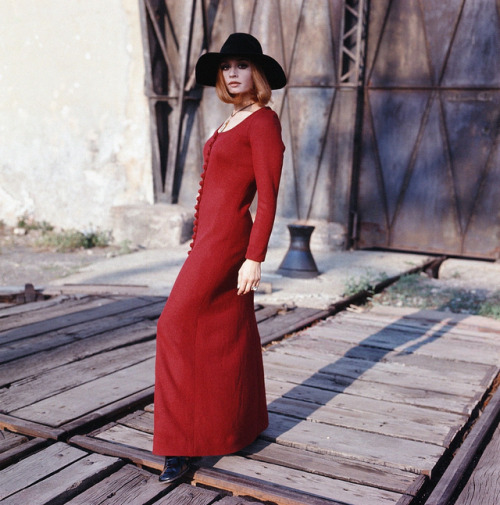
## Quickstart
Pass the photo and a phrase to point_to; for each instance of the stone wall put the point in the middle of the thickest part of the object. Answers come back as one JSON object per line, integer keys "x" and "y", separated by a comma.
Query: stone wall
{"x": 74, "y": 121}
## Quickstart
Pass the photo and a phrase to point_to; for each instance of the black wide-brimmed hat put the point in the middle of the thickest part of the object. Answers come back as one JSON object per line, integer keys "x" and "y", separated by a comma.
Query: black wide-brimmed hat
{"x": 240, "y": 44}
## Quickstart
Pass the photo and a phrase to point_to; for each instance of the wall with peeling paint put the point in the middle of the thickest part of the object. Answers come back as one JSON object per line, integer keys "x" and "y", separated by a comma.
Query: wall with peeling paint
{"x": 74, "y": 121}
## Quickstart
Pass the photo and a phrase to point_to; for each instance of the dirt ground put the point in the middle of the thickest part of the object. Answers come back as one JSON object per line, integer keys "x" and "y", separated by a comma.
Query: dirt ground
{"x": 23, "y": 260}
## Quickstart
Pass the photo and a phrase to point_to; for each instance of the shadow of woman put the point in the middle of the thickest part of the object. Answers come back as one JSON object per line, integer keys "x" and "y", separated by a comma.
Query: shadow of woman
{"x": 297, "y": 395}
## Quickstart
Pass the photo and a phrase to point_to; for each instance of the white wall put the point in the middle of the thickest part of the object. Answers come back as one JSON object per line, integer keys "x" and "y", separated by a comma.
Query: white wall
{"x": 74, "y": 122}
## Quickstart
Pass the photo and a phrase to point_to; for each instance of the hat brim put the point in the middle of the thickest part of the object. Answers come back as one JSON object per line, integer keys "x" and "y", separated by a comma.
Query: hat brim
{"x": 208, "y": 66}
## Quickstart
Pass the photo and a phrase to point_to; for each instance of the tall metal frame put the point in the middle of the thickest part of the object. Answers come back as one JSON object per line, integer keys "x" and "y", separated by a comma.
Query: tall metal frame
{"x": 351, "y": 69}
{"x": 170, "y": 84}
{"x": 353, "y": 40}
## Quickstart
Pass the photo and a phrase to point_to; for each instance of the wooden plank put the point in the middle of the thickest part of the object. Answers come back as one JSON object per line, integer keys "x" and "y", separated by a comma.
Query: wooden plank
{"x": 474, "y": 323}
{"x": 29, "y": 428}
{"x": 308, "y": 344}
{"x": 127, "y": 436}
{"x": 264, "y": 312}
{"x": 189, "y": 495}
{"x": 142, "y": 421}
{"x": 395, "y": 393}
{"x": 110, "y": 410}
{"x": 383, "y": 423}
{"x": 91, "y": 395}
{"x": 67, "y": 482}
{"x": 10, "y": 310}
{"x": 237, "y": 500}
{"x": 375, "y": 448}
{"x": 75, "y": 350}
{"x": 475, "y": 441}
{"x": 431, "y": 344}
{"x": 137, "y": 456}
{"x": 382, "y": 373}
{"x": 20, "y": 451}
{"x": 122, "y": 438}
{"x": 50, "y": 340}
{"x": 32, "y": 346}
{"x": 448, "y": 327}
{"x": 245, "y": 485}
{"x": 436, "y": 420}
{"x": 37, "y": 467}
{"x": 9, "y": 440}
{"x": 483, "y": 486}
{"x": 311, "y": 485}
{"x": 454, "y": 326}
{"x": 126, "y": 290}
{"x": 66, "y": 377}
{"x": 275, "y": 328}
{"x": 71, "y": 305}
{"x": 383, "y": 477}
{"x": 82, "y": 316}
{"x": 128, "y": 486}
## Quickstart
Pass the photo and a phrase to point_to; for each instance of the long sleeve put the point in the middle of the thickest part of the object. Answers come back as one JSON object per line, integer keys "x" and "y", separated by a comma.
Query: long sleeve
{"x": 267, "y": 159}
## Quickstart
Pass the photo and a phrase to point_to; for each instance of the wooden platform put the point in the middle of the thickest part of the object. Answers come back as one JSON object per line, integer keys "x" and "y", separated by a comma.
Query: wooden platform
{"x": 364, "y": 406}
{"x": 97, "y": 350}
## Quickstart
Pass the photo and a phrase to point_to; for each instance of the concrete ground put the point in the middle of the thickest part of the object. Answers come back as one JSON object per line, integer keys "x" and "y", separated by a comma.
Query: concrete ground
{"x": 157, "y": 269}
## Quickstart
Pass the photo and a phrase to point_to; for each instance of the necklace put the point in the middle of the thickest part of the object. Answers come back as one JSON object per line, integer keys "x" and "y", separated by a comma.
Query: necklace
{"x": 226, "y": 122}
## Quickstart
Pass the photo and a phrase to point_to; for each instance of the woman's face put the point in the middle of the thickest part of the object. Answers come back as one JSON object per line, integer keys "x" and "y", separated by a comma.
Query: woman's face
{"x": 237, "y": 74}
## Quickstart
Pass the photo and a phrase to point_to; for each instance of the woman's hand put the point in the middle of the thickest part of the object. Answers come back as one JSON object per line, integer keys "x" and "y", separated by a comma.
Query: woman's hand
{"x": 248, "y": 277}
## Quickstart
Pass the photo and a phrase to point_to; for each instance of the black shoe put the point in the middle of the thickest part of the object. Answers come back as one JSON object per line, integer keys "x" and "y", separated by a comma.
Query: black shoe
{"x": 175, "y": 467}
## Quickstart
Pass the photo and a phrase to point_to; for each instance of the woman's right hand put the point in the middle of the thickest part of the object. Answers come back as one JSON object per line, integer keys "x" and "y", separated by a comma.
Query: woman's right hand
{"x": 248, "y": 277}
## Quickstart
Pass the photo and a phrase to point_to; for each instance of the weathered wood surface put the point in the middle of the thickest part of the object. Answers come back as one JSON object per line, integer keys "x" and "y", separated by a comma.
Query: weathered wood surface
{"x": 67, "y": 364}
{"x": 10, "y": 440}
{"x": 128, "y": 485}
{"x": 97, "y": 349}
{"x": 483, "y": 485}
{"x": 362, "y": 405}
{"x": 53, "y": 475}
{"x": 279, "y": 322}
{"x": 67, "y": 475}
{"x": 24, "y": 447}
{"x": 313, "y": 484}
{"x": 360, "y": 410}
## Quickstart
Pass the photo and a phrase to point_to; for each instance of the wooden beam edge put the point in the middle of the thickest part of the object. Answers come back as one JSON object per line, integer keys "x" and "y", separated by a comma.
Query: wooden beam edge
{"x": 138, "y": 456}
{"x": 237, "y": 484}
{"x": 29, "y": 428}
{"x": 16, "y": 453}
{"x": 475, "y": 441}
{"x": 294, "y": 327}
{"x": 260, "y": 490}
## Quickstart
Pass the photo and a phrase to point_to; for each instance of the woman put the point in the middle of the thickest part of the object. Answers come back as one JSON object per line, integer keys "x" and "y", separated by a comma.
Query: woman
{"x": 209, "y": 395}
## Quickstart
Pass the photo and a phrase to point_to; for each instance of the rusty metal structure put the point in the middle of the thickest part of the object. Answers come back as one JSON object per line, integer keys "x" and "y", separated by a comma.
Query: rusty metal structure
{"x": 430, "y": 168}
{"x": 390, "y": 115}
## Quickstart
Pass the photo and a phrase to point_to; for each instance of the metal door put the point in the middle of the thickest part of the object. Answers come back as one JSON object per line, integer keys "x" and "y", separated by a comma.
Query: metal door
{"x": 429, "y": 176}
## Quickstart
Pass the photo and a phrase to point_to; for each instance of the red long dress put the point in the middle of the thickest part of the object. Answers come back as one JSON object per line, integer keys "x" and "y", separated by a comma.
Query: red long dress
{"x": 209, "y": 394}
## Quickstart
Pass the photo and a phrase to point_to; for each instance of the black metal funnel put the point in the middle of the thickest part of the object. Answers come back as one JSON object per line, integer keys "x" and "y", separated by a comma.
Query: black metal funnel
{"x": 299, "y": 261}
